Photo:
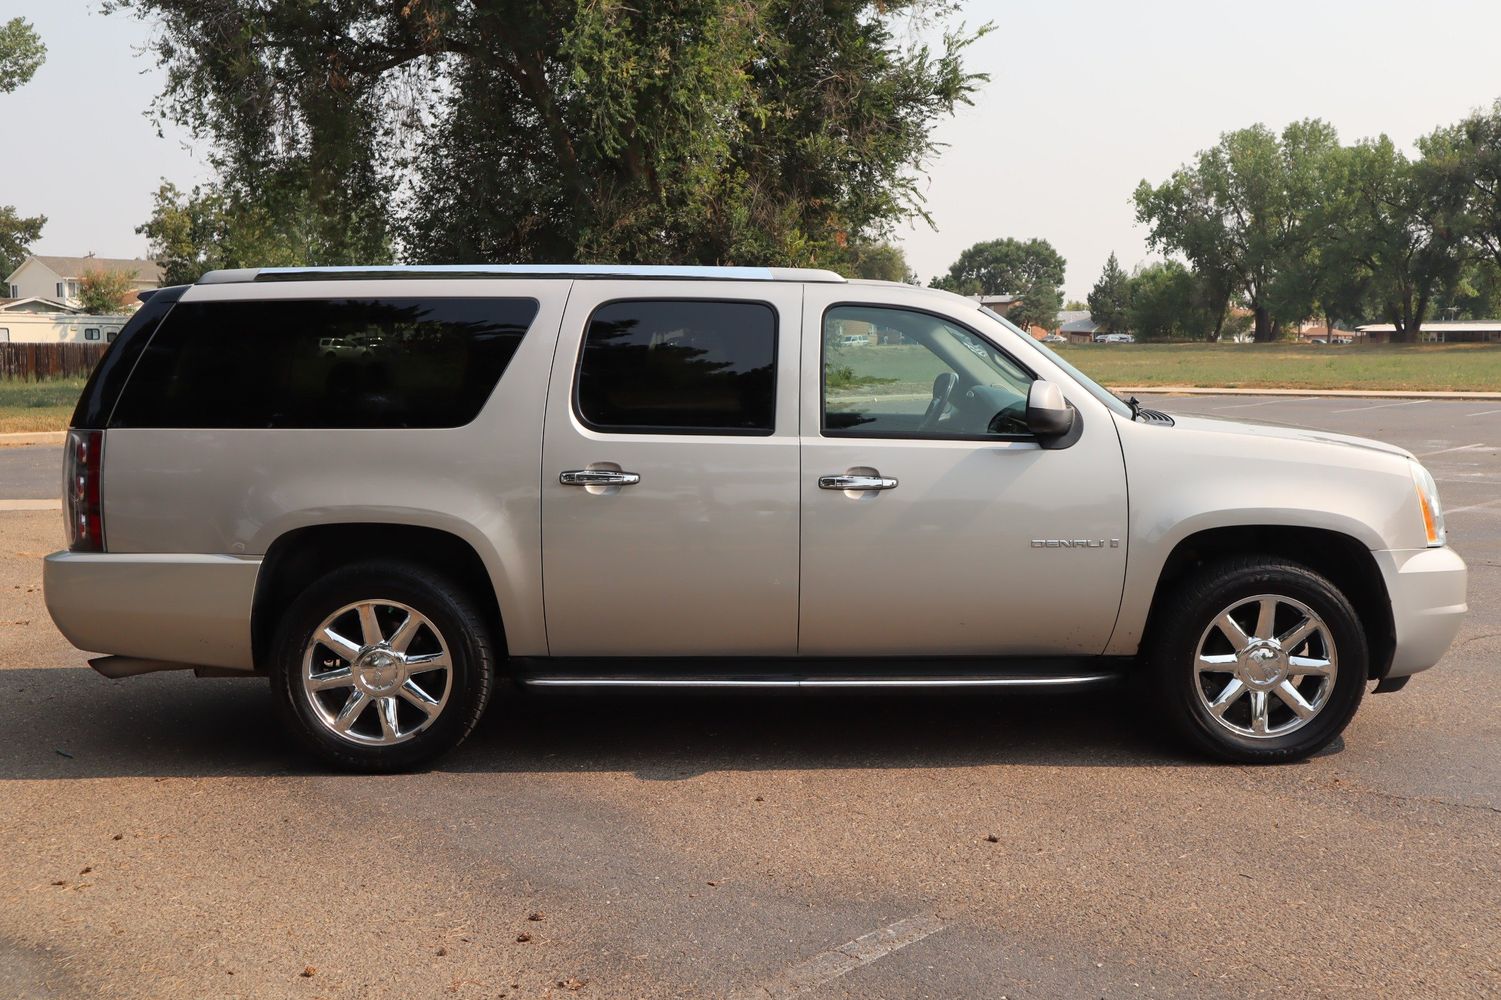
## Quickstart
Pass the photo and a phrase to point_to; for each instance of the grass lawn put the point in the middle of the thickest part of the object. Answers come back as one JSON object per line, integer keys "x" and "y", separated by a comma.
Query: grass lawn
{"x": 1423, "y": 367}
{"x": 38, "y": 406}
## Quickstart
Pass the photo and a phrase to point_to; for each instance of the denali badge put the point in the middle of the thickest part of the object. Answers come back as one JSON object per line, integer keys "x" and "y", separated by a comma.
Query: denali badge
{"x": 1074, "y": 543}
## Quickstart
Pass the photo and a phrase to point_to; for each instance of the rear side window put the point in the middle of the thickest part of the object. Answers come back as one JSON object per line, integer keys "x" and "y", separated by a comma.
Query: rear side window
{"x": 679, "y": 367}
{"x": 325, "y": 363}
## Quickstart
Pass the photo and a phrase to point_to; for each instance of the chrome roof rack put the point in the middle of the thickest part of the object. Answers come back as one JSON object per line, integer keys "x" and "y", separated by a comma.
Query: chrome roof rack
{"x": 387, "y": 271}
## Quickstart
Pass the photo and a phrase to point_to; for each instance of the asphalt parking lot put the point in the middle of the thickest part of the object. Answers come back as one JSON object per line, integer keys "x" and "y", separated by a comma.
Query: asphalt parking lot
{"x": 161, "y": 839}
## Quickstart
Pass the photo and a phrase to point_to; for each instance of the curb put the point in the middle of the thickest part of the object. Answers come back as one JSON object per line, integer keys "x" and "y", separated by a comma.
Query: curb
{"x": 32, "y": 437}
{"x": 1194, "y": 390}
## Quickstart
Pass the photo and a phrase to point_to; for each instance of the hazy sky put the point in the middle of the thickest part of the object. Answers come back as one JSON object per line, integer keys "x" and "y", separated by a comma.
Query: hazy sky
{"x": 1085, "y": 99}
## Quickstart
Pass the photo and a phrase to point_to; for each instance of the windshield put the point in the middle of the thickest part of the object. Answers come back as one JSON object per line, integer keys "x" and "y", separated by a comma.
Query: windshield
{"x": 1096, "y": 390}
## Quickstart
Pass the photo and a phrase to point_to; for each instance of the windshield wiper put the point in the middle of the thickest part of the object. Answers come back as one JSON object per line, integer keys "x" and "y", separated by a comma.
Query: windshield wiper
{"x": 1135, "y": 405}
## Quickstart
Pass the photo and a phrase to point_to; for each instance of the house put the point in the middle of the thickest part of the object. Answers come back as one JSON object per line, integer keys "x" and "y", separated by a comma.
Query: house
{"x": 58, "y": 278}
{"x": 997, "y": 303}
{"x": 1080, "y": 330}
{"x": 1486, "y": 331}
{"x": 44, "y": 321}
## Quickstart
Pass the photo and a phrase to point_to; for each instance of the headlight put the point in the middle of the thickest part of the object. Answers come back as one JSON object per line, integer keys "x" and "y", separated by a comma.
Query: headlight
{"x": 1433, "y": 511}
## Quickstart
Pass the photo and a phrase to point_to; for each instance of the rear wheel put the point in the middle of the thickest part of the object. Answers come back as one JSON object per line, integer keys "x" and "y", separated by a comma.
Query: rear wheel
{"x": 381, "y": 666}
{"x": 1258, "y": 661}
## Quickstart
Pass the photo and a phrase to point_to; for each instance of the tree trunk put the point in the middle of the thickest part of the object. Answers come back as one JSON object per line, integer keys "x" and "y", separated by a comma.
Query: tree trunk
{"x": 1265, "y": 334}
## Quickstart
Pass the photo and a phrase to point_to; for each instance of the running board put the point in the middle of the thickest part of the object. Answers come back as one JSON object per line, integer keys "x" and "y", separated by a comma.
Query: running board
{"x": 1068, "y": 680}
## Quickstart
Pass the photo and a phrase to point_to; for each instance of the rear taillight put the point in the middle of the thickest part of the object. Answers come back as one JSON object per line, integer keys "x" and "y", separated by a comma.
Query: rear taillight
{"x": 83, "y": 506}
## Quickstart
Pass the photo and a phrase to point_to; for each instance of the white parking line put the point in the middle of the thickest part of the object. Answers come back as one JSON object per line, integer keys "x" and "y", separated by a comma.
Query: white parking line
{"x": 1379, "y": 406}
{"x": 1482, "y": 413}
{"x": 829, "y": 965}
{"x": 1474, "y": 506}
{"x": 1463, "y": 447}
{"x": 1266, "y": 402}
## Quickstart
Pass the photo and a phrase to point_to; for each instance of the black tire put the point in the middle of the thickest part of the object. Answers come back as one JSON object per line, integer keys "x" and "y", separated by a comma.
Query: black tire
{"x": 452, "y": 615}
{"x": 1185, "y": 617}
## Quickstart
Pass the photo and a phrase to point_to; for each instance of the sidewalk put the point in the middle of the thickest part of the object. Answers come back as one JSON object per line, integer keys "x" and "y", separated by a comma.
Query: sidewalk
{"x": 1189, "y": 390}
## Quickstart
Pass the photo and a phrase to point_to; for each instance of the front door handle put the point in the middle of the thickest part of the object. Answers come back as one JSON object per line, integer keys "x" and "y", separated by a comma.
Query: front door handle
{"x": 847, "y": 482}
{"x": 598, "y": 477}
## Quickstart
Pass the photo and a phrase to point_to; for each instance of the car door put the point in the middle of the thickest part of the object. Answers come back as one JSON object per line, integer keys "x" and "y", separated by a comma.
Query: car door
{"x": 669, "y": 472}
{"x": 961, "y": 534}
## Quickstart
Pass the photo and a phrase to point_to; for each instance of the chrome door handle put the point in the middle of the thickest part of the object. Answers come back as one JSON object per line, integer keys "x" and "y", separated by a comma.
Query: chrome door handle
{"x": 598, "y": 477}
{"x": 856, "y": 483}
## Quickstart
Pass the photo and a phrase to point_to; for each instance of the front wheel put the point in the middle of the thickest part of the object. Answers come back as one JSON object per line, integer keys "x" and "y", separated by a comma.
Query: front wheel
{"x": 1258, "y": 661}
{"x": 381, "y": 666}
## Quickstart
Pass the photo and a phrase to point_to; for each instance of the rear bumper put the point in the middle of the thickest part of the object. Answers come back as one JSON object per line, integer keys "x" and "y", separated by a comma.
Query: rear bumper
{"x": 192, "y": 609}
{"x": 1427, "y": 589}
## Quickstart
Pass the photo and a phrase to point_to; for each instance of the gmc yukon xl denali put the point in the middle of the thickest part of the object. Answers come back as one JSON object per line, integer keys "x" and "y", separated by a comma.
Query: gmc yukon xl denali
{"x": 720, "y": 477}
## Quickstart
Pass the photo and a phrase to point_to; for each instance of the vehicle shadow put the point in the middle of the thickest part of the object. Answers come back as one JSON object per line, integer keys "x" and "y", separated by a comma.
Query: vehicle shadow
{"x": 71, "y": 723}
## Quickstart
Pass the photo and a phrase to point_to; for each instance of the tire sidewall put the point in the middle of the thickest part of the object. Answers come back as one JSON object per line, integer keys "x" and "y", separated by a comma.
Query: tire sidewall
{"x": 441, "y": 603}
{"x": 1222, "y": 586}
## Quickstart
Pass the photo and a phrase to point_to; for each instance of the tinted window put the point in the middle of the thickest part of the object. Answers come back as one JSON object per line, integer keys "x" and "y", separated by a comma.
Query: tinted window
{"x": 680, "y": 367}
{"x": 390, "y": 362}
{"x": 91, "y": 333}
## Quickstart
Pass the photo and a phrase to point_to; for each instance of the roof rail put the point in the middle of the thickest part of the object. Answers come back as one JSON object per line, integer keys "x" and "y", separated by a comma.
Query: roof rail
{"x": 654, "y": 271}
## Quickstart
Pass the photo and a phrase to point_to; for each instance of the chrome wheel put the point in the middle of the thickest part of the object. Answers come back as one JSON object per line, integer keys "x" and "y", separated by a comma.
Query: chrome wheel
{"x": 377, "y": 673}
{"x": 1265, "y": 666}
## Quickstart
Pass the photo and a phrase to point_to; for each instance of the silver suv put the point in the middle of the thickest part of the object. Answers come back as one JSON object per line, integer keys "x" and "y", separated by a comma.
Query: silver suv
{"x": 709, "y": 477}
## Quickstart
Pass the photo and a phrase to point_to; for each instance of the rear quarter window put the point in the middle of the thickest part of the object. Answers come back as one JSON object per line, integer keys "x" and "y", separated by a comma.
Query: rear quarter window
{"x": 325, "y": 363}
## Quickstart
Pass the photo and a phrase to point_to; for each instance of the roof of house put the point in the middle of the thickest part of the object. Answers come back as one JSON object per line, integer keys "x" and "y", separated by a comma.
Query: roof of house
{"x": 1085, "y": 325}
{"x": 72, "y": 267}
{"x": 987, "y": 300}
{"x": 47, "y": 305}
{"x": 1072, "y": 315}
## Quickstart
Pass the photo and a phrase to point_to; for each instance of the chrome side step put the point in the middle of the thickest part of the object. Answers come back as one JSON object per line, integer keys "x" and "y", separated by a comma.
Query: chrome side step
{"x": 1075, "y": 680}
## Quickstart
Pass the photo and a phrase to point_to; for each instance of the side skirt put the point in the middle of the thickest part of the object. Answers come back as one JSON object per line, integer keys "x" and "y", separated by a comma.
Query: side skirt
{"x": 904, "y": 672}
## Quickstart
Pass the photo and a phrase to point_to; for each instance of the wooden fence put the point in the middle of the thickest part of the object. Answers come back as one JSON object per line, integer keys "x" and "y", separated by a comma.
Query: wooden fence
{"x": 38, "y": 361}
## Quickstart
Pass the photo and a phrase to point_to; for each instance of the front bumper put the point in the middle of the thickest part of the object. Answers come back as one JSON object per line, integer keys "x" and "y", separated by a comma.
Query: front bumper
{"x": 192, "y": 609}
{"x": 1427, "y": 590}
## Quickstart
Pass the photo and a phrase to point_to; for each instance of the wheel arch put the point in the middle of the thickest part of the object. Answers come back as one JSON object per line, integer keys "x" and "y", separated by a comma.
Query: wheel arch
{"x": 1343, "y": 559}
{"x": 297, "y": 558}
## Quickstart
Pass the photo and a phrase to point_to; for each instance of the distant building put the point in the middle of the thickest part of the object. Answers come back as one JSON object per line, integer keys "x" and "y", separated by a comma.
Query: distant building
{"x": 1482, "y": 331}
{"x": 998, "y": 303}
{"x": 1079, "y": 331}
{"x": 59, "y": 278}
{"x": 43, "y": 321}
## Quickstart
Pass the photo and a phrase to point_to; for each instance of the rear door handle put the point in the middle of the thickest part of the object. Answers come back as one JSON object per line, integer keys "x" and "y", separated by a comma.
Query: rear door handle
{"x": 856, "y": 483}
{"x": 598, "y": 477}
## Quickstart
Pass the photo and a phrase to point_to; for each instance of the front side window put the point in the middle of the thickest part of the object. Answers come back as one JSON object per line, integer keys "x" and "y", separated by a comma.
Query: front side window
{"x": 901, "y": 373}
{"x": 325, "y": 363}
{"x": 679, "y": 367}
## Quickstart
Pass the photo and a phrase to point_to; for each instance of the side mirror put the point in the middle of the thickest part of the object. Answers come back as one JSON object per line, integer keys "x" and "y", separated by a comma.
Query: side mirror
{"x": 1048, "y": 413}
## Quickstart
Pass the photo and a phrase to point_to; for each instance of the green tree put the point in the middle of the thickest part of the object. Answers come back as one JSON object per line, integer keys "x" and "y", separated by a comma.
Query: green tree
{"x": 878, "y": 261}
{"x": 21, "y": 53}
{"x": 1110, "y": 299}
{"x": 1244, "y": 213}
{"x": 101, "y": 291}
{"x": 215, "y": 227}
{"x": 1465, "y": 164}
{"x": 17, "y": 233}
{"x": 1031, "y": 270}
{"x": 1388, "y": 220}
{"x": 685, "y": 131}
{"x": 1170, "y": 302}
